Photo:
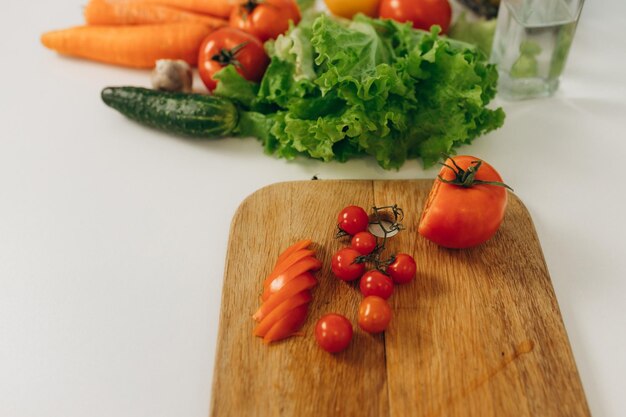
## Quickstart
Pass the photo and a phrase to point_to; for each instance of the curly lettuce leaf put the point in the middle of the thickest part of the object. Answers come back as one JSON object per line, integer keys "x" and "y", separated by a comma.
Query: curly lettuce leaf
{"x": 338, "y": 89}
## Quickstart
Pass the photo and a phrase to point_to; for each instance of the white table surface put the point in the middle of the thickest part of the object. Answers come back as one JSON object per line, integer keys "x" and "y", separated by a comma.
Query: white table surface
{"x": 113, "y": 236}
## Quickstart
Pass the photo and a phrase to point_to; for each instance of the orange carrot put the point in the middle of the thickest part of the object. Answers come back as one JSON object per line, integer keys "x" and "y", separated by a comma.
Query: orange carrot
{"x": 112, "y": 12}
{"x": 281, "y": 310}
{"x": 293, "y": 248}
{"x": 293, "y": 287}
{"x": 288, "y": 325}
{"x": 218, "y": 8}
{"x": 130, "y": 46}
{"x": 300, "y": 267}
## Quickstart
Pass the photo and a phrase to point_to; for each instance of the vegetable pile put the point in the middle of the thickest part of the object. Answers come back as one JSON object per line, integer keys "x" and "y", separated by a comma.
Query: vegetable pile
{"x": 316, "y": 86}
{"x": 335, "y": 90}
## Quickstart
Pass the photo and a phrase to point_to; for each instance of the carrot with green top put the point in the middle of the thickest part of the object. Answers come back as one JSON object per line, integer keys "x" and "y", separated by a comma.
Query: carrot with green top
{"x": 130, "y": 46}
{"x": 113, "y": 12}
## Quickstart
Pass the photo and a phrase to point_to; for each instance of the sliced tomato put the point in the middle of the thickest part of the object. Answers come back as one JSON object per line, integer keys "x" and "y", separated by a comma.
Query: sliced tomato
{"x": 281, "y": 310}
{"x": 302, "y": 244}
{"x": 288, "y": 325}
{"x": 289, "y": 261}
{"x": 300, "y": 267}
{"x": 293, "y": 287}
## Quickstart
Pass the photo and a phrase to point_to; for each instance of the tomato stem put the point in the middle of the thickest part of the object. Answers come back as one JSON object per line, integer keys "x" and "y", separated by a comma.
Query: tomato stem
{"x": 387, "y": 229}
{"x": 250, "y": 5}
{"x": 466, "y": 178}
{"x": 229, "y": 56}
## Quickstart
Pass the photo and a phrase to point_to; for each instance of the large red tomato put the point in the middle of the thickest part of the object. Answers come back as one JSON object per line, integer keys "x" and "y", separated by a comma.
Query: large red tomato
{"x": 228, "y": 46}
{"x": 466, "y": 205}
{"x": 265, "y": 19}
{"x": 422, "y": 13}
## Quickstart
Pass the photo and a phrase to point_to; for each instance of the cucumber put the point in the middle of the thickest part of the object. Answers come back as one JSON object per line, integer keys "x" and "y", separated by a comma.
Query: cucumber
{"x": 193, "y": 115}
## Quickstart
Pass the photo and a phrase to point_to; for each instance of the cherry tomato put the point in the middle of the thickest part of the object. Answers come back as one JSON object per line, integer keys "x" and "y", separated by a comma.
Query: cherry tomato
{"x": 333, "y": 333}
{"x": 228, "y": 46}
{"x": 376, "y": 283}
{"x": 265, "y": 19}
{"x": 352, "y": 220}
{"x": 348, "y": 8}
{"x": 421, "y": 13}
{"x": 464, "y": 216}
{"x": 402, "y": 269}
{"x": 374, "y": 314}
{"x": 344, "y": 266}
{"x": 364, "y": 242}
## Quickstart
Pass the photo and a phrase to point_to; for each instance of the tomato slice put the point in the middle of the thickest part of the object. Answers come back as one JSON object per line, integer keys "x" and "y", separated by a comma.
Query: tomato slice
{"x": 288, "y": 325}
{"x": 299, "y": 268}
{"x": 293, "y": 248}
{"x": 281, "y": 310}
{"x": 293, "y": 287}
{"x": 289, "y": 261}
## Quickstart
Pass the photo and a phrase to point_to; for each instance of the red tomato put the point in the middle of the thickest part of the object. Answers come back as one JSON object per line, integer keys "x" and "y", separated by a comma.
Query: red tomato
{"x": 344, "y": 266}
{"x": 364, "y": 242}
{"x": 374, "y": 314}
{"x": 265, "y": 19}
{"x": 421, "y": 13}
{"x": 458, "y": 216}
{"x": 288, "y": 325}
{"x": 352, "y": 220}
{"x": 376, "y": 283}
{"x": 333, "y": 332}
{"x": 228, "y": 46}
{"x": 402, "y": 269}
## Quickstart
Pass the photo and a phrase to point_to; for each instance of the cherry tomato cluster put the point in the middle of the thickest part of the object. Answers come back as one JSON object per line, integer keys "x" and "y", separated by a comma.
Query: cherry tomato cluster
{"x": 252, "y": 22}
{"x": 333, "y": 332}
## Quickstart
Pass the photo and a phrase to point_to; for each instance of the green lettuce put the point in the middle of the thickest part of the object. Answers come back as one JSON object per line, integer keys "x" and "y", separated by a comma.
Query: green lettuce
{"x": 338, "y": 89}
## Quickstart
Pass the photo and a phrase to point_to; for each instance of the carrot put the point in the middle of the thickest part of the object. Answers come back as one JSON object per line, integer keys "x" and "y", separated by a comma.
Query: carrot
{"x": 293, "y": 248}
{"x": 288, "y": 325}
{"x": 307, "y": 264}
{"x": 289, "y": 261}
{"x": 218, "y": 8}
{"x": 130, "y": 46}
{"x": 293, "y": 287}
{"x": 112, "y": 12}
{"x": 281, "y": 310}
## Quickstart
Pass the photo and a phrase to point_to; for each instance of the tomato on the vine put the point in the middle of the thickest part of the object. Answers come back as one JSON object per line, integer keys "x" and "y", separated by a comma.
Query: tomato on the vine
{"x": 402, "y": 269}
{"x": 421, "y": 13}
{"x": 229, "y": 46}
{"x": 333, "y": 332}
{"x": 352, "y": 220}
{"x": 374, "y": 314}
{"x": 265, "y": 19}
{"x": 344, "y": 264}
{"x": 466, "y": 205}
{"x": 364, "y": 242}
{"x": 376, "y": 283}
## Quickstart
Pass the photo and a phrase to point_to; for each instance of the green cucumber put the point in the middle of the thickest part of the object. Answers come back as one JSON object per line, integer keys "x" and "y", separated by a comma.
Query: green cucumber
{"x": 194, "y": 115}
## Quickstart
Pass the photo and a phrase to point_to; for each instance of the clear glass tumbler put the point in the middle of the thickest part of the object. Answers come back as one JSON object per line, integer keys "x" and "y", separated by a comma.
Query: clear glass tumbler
{"x": 531, "y": 44}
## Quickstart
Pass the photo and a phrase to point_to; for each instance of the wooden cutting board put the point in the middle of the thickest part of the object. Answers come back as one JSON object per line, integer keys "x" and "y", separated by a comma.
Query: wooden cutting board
{"x": 478, "y": 333}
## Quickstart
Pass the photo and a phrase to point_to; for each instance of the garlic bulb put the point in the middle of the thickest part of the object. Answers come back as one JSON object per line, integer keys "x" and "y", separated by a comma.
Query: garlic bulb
{"x": 172, "y": 75}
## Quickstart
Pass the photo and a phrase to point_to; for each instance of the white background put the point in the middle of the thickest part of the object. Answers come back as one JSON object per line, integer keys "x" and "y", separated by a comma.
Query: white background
{"x": 113, "y": 237}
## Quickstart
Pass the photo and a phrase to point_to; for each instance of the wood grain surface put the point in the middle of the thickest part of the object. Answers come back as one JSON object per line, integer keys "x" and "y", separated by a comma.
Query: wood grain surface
{"x": 478, "y": 333}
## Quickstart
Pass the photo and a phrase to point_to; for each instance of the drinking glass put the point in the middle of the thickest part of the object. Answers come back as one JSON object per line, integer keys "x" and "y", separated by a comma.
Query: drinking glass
{"x": 531, "y": 44}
